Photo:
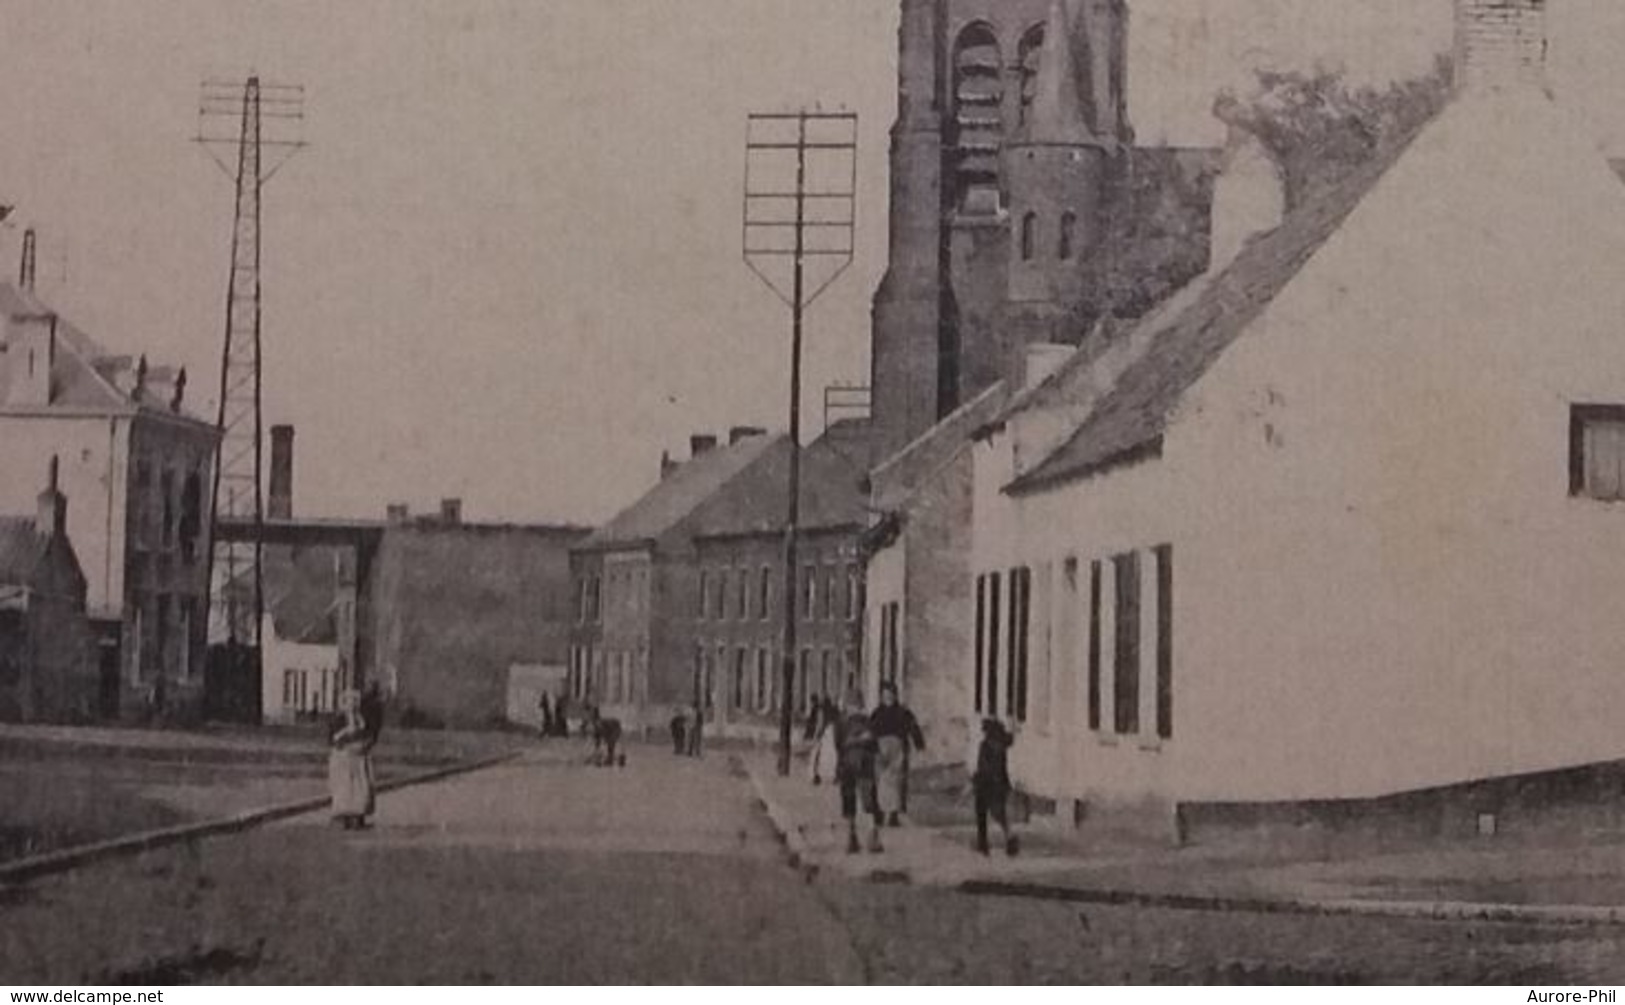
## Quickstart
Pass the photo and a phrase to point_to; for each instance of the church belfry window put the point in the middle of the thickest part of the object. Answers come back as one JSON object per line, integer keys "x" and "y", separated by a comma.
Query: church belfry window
{"x": 1069, "y": 235}
{"x": 978, "y": 122}
{"x": 1029, "y": 236}
{"x": 1028, "y": 58}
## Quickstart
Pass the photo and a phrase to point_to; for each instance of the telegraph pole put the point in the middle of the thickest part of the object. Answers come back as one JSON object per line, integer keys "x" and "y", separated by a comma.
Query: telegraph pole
{"x": 800, "y": 209}
{"x": 269, "y": 118}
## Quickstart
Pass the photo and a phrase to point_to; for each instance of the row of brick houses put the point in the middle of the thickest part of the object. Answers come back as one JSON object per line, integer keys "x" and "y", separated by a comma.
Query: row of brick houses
{"x": 679, "y": 598}
{"x": 137, "y": 467}
{"x": 1333, "y": 520}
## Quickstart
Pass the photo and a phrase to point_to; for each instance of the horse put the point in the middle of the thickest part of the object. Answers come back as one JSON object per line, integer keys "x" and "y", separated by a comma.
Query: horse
{"x": 606, "y": 739}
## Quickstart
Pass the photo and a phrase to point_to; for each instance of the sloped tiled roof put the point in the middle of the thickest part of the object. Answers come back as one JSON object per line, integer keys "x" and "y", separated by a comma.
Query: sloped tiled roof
{"x": 901, "y": 474}
{"x": 832, "y": 493}
{"x": 1130, "y": 419}
{"x": 22, "y": 547}
{"x": 677, "y": 496}
{"x": 85, "y": 374}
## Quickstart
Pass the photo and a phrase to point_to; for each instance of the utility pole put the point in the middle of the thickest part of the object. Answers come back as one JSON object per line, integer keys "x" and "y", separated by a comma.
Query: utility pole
{"x": 800, "y": 209}
{"x": 270, "y": 117}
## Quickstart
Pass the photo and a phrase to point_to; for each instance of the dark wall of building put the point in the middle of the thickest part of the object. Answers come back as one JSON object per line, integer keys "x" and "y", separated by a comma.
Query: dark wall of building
{"x": 454, "y": 606}
{"x": 746, "y": 690}
{"x": 47, "y": 673}
{"x": 166, "y": 625}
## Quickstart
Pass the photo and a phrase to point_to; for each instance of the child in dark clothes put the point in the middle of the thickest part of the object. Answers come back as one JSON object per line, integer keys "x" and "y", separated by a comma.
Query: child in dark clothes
{"x": 991, "y": 783}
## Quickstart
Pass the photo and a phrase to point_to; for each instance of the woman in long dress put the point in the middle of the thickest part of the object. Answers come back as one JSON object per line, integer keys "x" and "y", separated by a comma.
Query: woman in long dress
{"x": 825, "y": 753}
{"x": 349, "y": 766}
{"x": 897, "y": 732}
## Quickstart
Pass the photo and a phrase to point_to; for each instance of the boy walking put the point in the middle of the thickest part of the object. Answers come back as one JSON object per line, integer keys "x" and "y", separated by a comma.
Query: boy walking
{"x": 855, "y": 773}
{"x": 991, "y": 783}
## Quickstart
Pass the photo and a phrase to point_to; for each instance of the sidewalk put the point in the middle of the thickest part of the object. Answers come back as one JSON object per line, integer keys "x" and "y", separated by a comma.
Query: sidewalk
{"x": 1580, "y": 881}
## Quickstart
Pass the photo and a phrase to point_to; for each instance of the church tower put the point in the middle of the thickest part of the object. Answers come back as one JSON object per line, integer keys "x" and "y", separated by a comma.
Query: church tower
{"x": 1010, "y": 122}
{"x": 1061, "y": 164}
{"x": 908, "y": 352}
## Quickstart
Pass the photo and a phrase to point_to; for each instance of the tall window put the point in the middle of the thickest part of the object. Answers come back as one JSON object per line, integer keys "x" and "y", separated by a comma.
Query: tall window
{"x": 831, "y": 590}
{"x": 1165, "y": 641}
{"x": 826, "y": 672}
{"x": 804, "y": 672}
{"x": 188, "y": 612}
{"x": 854, "y": 592}
{"x": 1597, "y": 451}
{"x": 1126, "y": 681}
{"x": 1029, "y": 55}
{"x": 981, "y": 637}
{"x": 743, "y": 599}
{"x": 764, "y": 594}
{"x": 720, "y": 602}
{"x": 191, "y": 515}
{"x": 166, "y": 485}
{"x": 703, "y": 593}
{"x": 1094, "y": 645}
{"x": 146, "y": 515}
{"x": 739, "y": 679}
{"x": 1029, "y": 236}
{"x": 809, "y": 591}
{"x": 990, "y": 688}
{"x": 978, "y": 113}
{"x": 889, "y": 655}
{"x": 1069, "y": 235}
{"x": 764, "y": 681}
{"x": 1021, "y": 590}
{"x": 699, "y": 675}
{"x": 162, "y": 625}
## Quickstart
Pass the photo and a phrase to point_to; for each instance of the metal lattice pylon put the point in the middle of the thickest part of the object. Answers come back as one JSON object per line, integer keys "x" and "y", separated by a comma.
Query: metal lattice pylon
{"x": 235, "y": 582}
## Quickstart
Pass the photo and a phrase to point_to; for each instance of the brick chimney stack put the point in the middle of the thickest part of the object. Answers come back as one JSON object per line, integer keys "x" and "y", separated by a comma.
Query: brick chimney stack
{"x": 667, "y": 465}
{"x": 739, "y": 433}
{"x": 1501, "y": 43}
{"x": 701, "y": 444}
{"x": 279, "y": 506}
{"x": 451, "y": 512}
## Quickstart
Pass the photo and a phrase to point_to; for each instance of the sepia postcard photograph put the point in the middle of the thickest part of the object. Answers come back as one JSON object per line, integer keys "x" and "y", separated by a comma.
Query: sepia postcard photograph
{"x": 811, "y": 492}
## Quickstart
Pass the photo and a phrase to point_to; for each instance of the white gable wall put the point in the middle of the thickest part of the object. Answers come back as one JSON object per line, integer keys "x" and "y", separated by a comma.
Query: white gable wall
{"x": 1445, "y": 611}
{"x": 1380, "y": 582}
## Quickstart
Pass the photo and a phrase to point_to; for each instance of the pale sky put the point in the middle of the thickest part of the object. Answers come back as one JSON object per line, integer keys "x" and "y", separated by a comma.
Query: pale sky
{"x": 508, "y": 267}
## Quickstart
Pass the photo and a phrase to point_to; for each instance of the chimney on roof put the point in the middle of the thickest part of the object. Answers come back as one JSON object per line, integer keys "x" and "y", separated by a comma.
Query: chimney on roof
{"x": 701, "y": 444}
{"x": 179, "y": 396}
{"x": 738, "y": 433}
{"x": 52, "y": 515}
{"x": 25, "y": 270}
{"x": 280, "y": 504}
{"x": 667, "y": 465}
{"x": 1043, "y": 359}
{"x": 140, "y": 388}
{"x": 451, "y": 512}
{"x": 1501, "y": 43}
{"x": 31, "y": 346}
{"x": 397, "y": 514}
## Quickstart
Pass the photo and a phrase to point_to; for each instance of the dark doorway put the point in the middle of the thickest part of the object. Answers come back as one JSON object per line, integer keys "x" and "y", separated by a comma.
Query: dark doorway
{"x": 107, "y": 681}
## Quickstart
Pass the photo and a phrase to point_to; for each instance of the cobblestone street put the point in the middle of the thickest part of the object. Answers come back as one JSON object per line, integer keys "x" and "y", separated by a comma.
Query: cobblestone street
{"x": 548, "y": 871}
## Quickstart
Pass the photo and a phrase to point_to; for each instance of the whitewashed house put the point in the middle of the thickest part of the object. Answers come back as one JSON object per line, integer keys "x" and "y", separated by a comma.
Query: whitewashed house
{"x": 1342, "y": 519}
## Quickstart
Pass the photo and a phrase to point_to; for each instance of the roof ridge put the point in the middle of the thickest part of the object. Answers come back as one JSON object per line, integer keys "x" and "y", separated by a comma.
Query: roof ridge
{"x": 1133, "y": 413}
